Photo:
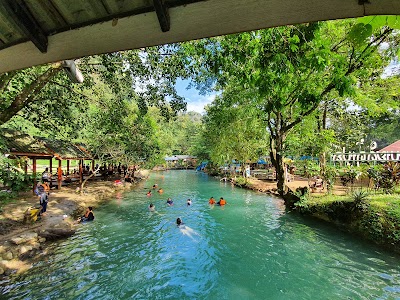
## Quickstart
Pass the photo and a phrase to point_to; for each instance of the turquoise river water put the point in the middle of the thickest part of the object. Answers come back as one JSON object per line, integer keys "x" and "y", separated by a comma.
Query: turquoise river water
{"x": 249, "y": 249}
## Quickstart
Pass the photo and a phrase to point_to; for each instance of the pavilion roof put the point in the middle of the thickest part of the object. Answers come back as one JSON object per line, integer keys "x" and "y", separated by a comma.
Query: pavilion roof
{"x": 395, "y": 147}
{"x": 22, "y": 144}
{"x": 63, "y": 149}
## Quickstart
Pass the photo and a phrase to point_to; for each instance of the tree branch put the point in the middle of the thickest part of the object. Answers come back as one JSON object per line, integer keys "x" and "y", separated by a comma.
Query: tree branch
{"x": 5, "y": 79}
{"x": 28, "y": 94}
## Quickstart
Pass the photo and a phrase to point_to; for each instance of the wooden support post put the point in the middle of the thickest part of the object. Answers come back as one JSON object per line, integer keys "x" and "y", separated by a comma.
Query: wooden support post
{"x": 51, "y": 172}
{"x": 34, "y": 174}
{"x": 162, "y": 15}
{"x": 80, "y": 172}
{"x": 92, "y": 165}
{"x": 68, "y": 167}
{"x": 59, "y": 174}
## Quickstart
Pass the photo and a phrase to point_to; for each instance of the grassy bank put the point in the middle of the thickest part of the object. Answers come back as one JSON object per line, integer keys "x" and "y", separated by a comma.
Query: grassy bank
{"x": 374, "y": 216}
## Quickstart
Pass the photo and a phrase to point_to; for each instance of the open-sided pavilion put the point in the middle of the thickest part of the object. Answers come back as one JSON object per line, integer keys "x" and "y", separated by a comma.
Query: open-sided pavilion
{"x": 35, "y": 148}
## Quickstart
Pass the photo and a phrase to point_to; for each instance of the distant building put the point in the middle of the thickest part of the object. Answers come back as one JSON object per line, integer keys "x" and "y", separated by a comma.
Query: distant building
{"x": 395, "y": 147}
{"x": 181, "y": 161}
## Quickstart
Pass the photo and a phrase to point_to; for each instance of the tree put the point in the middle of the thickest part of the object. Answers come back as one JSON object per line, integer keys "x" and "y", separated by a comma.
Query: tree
{"x": 291, "y": 70}
{"x": 234, "y": 132}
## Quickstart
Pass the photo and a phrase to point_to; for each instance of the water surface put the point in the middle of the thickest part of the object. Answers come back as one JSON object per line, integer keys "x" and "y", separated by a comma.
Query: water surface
{"x": 249, "y": 249}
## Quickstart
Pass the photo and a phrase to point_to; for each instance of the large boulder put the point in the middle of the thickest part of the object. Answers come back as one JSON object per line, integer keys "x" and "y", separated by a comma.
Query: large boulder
{"x": 52, "y": 234}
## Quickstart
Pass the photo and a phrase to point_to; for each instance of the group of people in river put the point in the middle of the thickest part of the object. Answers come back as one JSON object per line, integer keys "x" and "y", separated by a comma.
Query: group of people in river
{"x": 189, "y": 202}
{"x": 184, "y": 229}
{"x": 221, "y": 201}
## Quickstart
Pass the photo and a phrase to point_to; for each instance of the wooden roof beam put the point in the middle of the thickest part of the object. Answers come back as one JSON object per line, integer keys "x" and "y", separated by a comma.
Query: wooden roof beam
{"x": 27, "y": 23}
{"x": 162, "y": 14}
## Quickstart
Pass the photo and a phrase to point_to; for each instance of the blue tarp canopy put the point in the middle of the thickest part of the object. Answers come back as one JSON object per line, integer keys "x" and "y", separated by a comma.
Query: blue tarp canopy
{"x": 261, "y": 162}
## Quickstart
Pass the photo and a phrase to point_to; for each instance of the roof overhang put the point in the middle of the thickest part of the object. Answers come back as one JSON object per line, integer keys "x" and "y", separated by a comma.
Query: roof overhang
{"x": 184, "y": 20}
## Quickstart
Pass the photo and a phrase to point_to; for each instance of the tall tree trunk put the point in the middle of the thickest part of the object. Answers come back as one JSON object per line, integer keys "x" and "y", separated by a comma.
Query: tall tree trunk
{"x": 322, "y": 156}
{"x": 276, "y": 150}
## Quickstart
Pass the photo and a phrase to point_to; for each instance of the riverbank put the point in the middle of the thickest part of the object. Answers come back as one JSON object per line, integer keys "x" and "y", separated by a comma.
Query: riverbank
{"x": 22, "y": 242}
{"x": 370, "y": 215}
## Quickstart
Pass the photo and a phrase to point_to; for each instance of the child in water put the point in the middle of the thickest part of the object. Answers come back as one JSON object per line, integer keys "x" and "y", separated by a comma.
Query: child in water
{"x": 149, "y": 193}
{"x": 170, "y": 202}
{"x": 179, "y": 222}
{"x": 152, "y": 207}
{"x": 189, "y": 202}
{"x": 211, "y": 201}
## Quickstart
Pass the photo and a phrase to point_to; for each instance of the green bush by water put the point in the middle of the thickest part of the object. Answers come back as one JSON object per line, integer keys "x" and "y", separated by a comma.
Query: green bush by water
{"x": 373, "y": 216}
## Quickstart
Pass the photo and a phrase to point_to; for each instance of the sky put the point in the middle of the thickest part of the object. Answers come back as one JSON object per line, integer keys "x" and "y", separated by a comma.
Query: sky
{"x": 195, "y": 101}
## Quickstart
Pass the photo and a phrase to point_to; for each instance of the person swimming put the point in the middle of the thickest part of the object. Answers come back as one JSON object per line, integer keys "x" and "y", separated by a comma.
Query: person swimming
{"x": 211, "y": 201}
{"x": 189, "y": 202}
{"x": 221, "y": 201}
{"x": 170, "y": 202}
{"x": 152, "y": 207}
{"x": 179, "y": 222}
{"x": 186, "y": 230}
{"x": 155, "y": 186}
{"x": 160, "y": 191}
{"x": 149, "y": 193}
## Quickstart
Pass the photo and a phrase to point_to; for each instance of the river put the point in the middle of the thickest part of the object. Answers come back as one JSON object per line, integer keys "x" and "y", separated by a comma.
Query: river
{"x": 249, "y": 249}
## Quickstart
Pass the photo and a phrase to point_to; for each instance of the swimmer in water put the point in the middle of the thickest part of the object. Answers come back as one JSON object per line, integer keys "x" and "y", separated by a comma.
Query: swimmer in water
{"x": 189, "y": 202}
{"x": 221, "y": 201}
{"x": 170, "y": 202}
{"x": 160, "y": 191}
{"x": 149, "y": 193}
{"x": 155, "y": 186}
{"x": 186, "y": 230}
{"x": 211, "y": 201}
{"x": 152, "y": 207}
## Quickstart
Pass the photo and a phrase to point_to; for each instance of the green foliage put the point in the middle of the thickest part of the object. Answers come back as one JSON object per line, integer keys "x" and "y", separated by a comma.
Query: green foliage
{"x": 348, "y": 176}
{"x": 13, "y": 176}
{"x": 285, "y": 73}
{"x": 385, "y": 177}
{"x": 377, "y": 219}
{"x": 308, "y": 168}
{"x": 330, "y": 176}
{"x": 359, "y": 196}
{"x": 359, "y": 33}
{"x": 379, "y": 21}
{"x": 240, "y": 181}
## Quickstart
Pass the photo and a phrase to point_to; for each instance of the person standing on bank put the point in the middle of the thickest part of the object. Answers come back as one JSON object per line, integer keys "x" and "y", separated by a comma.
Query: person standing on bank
{"x": 46, "y": 176}
{"x": 42, "y": 190}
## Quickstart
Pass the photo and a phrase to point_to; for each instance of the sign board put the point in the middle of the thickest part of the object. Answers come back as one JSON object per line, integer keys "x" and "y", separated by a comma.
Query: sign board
{"x": 365, "y": 157}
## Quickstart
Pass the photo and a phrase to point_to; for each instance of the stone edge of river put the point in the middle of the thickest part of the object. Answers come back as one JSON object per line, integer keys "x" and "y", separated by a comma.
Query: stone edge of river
{"x": 26, "y": 244}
